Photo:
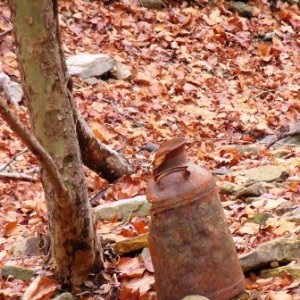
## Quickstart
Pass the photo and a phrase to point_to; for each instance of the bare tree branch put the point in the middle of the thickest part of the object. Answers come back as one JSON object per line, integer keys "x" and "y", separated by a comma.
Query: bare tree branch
{"x": 12, "y": 160}
{"x": 34, "y": 145}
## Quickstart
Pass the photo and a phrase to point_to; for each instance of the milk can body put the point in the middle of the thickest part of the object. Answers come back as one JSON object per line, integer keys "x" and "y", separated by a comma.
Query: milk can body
{"x": 190, "y": 244}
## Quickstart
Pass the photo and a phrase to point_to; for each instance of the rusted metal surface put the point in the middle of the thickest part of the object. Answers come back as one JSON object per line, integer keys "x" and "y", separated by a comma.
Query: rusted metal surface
{"x": 190, "y": 244}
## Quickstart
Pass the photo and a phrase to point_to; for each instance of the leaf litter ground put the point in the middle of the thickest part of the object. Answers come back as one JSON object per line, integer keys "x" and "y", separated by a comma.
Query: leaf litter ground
{"x": 205, "y": 73}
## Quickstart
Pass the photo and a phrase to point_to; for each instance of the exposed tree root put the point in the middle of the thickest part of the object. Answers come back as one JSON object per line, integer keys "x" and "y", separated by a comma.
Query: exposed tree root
{"x": 97, "y": 156}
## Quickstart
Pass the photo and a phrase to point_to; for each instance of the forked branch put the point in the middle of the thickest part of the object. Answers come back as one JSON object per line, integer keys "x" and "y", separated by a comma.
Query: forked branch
{"x": 34, "y": 145}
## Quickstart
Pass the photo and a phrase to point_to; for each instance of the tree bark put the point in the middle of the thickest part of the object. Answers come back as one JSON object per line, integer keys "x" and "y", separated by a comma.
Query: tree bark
{"x": 74, "y": 247}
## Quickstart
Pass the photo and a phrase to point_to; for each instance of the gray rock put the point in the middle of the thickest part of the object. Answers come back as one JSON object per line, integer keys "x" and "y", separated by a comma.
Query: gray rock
{"x": 19, "y": 249}
{"x": 284, "y": 208}
{"x": 246, "y": 149}
{"x": 292, "y": 269}
{"x": 32, "y": 246}
{"x": 279, "y": 250}
{"x": 121, "y": 71}
{"x": 293, "y": 216}
{"x": 227, "y": 187}
{"x": 278, "y": 153}
{"x": 64, "y": 296}
{"x": 267, "y": 173}
{"x": 17, "y": 272}
{"x": 92, "y": 80}
{"x": 256, "y": 189}
{"x": 243, "y": 9}
{"x": 89, "y": 65}
{"x": 292, "y": 140}
{"x": 137, "y": 206}
{"x": 250, "y": 200}
{"x": 12, "y": 89}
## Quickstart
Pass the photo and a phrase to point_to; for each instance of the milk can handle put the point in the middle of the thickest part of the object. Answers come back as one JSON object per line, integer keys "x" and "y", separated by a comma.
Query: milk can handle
{"x": 164, "y": 173}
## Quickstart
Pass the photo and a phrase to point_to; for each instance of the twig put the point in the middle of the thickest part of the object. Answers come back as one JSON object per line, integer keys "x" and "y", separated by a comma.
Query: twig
{"x": 99, "y": 194}
{"x": 5, "y": 32}
{"x": 17, "y": 176}
{"x": 12, "y": 159}
{"x": 32, "y": 170}
{"x": 34, "y": 145}
{"x": 282, "y": 136}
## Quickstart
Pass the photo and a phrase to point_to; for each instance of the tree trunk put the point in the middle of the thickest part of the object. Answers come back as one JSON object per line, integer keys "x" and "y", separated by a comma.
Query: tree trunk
{"x": 74, "y": 247}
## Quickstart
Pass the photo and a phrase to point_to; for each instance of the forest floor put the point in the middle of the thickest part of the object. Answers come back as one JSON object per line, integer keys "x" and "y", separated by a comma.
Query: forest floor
{"x": 222, "y": 81}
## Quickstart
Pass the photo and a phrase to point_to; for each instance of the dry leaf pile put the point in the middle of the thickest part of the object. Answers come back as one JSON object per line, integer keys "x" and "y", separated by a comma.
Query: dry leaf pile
{"x": 202, "y": 72}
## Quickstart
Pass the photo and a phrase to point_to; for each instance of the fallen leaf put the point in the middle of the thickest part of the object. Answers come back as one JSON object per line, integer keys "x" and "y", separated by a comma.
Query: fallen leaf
{"x": 42, "y": 288}
{"x": 130, "y": 267}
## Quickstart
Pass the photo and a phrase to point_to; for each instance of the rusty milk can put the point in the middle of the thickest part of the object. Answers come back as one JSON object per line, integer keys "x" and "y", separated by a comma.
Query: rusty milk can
{"x": 190, "y": 244}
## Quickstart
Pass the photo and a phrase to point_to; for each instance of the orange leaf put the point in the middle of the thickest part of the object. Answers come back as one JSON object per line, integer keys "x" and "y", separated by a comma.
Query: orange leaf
{"x": 42, "y": 288}
{"x": 10, "y": 227}
{"x": 294, "y": 187}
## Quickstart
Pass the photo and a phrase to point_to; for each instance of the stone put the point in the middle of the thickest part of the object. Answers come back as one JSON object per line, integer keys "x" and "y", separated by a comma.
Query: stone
{"x": 17, "y": 272}
{"x": 280, "y": 250}
{"x": 89, "y": 65}
{"x": 92, "y": 80}
{"x": 256, "y": 189}
{"x": 291, "y": 140}
{"x": 121, "y": 71}
{"x": 293, "y": 216}
{"x": 64, "y": 296}
{"x": 278, "y": 153}
{"x": 229, "y": 188}
{"x": 250, "y": 200}
{"x": 19, "y": 249}
{"x": 131, "y": 244}
{"x": 243, "y": 150}
{"x": 285, "y": 208}
{"x": 30, "y": 246}
{"x": 156, "y": 4}
{"x": 12, "y": 89}
{"x": 267, "y": 173}
{"x": 243, "y": 9}
{"x": 123, "y": 209}
{"x": 292, "y": 269}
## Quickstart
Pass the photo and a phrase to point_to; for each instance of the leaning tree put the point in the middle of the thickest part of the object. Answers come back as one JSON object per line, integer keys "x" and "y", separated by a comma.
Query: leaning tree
{"x": 60, "y": 139}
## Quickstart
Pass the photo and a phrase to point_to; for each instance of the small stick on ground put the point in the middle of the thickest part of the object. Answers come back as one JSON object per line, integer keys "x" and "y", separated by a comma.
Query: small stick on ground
{"x": 34, "y": 145}
{"x": 284, "y": 135}
{"x": 16, "y": 176}
{"x": 12, "y": 160}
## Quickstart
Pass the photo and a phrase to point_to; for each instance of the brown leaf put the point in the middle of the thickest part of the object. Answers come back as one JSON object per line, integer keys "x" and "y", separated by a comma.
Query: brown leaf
{"x": 130, "y": 267}
{"x": 42, "y": 288}
{"x": 137, "y": 286}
